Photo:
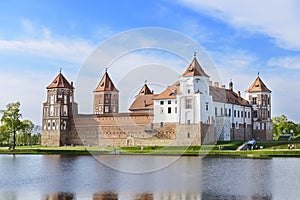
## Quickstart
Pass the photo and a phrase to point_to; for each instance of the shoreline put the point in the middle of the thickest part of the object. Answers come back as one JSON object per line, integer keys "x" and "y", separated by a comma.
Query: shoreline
{"x": 260, "y": 153}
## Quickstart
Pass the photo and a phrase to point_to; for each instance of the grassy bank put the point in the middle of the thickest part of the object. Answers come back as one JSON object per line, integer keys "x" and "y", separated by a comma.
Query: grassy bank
{"x": 263, "y": 149}
{"x": 67, "y": 150}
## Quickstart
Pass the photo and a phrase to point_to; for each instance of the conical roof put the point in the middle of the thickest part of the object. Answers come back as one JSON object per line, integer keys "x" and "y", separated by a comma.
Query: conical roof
{"x": 106, "y": 84}
{"x": 60, "y": 82}
{"x": 258, "y": 86}
{"x": 194, "y": 69}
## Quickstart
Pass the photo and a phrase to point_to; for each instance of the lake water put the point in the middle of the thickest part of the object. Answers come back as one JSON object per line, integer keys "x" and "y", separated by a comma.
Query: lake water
{"x": 58, "y": 177}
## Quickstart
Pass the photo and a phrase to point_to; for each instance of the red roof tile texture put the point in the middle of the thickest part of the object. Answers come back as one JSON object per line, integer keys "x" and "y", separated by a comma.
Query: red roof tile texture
{"x": 227, "y": 96}
{"x": 106, "y": 84}
{"x": 170, "y": 92}
{"x": 258, "y": 86}
{"x": 194, "y": 69}
{"x": 60, "y": 82}
{"x": 144, "y": 100}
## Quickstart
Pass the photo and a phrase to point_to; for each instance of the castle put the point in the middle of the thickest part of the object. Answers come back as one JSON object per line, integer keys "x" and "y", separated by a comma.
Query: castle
{"x": 192, "y": 111}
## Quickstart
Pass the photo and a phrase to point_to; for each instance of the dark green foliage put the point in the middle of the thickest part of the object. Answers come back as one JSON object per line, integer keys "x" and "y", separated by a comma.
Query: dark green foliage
{"x": 281, "y": 125}
{"x": 13, "y": 126}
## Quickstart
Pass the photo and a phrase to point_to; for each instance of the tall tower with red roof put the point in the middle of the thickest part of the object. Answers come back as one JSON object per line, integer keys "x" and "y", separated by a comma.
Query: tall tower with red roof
{"x": 106, "y": 96}
{"x": 58, "y": 111}
{"x": 259, "y": 97}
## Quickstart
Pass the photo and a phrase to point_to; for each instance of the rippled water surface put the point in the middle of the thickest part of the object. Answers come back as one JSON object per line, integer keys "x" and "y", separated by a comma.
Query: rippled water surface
{"x": 84, "y": 177}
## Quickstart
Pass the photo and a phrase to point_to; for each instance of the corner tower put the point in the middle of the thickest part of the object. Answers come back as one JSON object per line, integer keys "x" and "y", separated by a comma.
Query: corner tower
{"x": 106, "y": 96}
{"x": 259, "y": 97}
{"x": 58, "y": 111}
{"x": 194, "y": 99}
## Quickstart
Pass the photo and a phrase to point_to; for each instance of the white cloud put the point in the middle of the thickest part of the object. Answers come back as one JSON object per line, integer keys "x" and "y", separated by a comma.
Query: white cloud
{"x": 26, "y": 87}
{"x": 68, "y": 50}
{"x": 279, "y": 19}
{"x": 288, "y": 62}
{"x": 239, "y": 65}
{"x": 37, "y": 40}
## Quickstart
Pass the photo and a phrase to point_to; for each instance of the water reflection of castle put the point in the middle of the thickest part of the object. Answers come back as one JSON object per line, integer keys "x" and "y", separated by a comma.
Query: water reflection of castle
{"x": 192, "y": 111}
{"x": 152, "y": 196}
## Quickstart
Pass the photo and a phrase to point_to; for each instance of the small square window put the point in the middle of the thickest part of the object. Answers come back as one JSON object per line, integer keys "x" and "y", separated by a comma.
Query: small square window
{"x": 169, "y": 101}
{"x": 161, "y": 102}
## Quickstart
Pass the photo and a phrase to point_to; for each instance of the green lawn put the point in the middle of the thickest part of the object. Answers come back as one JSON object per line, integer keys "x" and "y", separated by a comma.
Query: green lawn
{"x": 269, "y": 149}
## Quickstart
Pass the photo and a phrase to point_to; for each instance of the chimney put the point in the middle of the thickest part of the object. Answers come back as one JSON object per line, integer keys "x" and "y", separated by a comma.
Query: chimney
{"x": 223, "y": 86}
{"x": 210, "y": 83}
{"x": 216, "y": 84}
{"x": 230, "y": 85}
{"x": 239, "y": 93}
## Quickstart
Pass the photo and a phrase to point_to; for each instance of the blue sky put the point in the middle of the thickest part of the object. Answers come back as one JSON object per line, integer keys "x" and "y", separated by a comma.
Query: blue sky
{"x": 242, "y": 39}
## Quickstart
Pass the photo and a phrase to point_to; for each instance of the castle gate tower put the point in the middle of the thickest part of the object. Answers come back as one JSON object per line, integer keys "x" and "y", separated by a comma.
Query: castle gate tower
{"x": 259, "y": 97}
{"x": 106, "y": 96}
{"x": 58, "y": 112}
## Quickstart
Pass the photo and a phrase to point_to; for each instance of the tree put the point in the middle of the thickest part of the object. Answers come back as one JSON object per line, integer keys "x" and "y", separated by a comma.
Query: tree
{"x": 4, "y": 135}
{"x": 27, "y": 127}
{"x": 36, "y": 135}
{"x": 281, "y": 125}
{"x": 11, "y": 119}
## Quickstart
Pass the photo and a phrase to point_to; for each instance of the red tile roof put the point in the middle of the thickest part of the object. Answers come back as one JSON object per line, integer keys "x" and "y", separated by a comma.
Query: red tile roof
{"x": 106, "y": 84}
{"x": 227, "y": 96}
{"x": 145, "y": 90}
{"x": 144, "y": 100}
{"x": 170, "y": 92}
{"x": 194, "y": 69}
{"x": 60, "y": 82}
{"x": 258, "y": 86}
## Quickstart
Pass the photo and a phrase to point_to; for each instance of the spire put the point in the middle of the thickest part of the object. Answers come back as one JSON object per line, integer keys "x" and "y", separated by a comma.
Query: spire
{"x": 258, "y": 86}
{"x": 60, "y": 82}
{"x": 194, "y": 69}
{"x": 106, "y": 84}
